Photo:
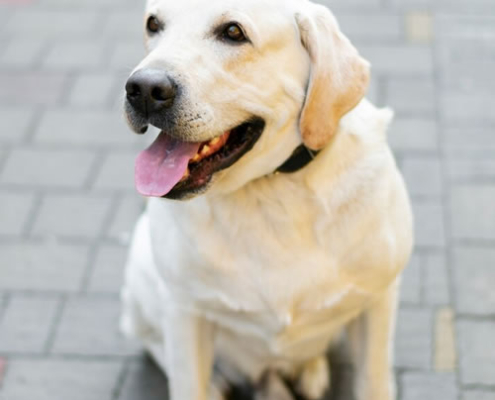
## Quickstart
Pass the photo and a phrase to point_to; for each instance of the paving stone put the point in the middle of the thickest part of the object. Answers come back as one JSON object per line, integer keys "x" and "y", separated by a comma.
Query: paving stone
{"x": 31, "y": 88}
{"x": 72, "y": 215}
{"x": 454, "y": 26}
{"x": 474, "y": 276}
{"x": 470, "y": 109}
{"x": 472, "y": 211}
{"x": 410, "y": 290}
{"x": 435, "y": 280}
{"x": 469, "y": 79}
{"x": 474, "y": 6}
{"x": 90, "y": 326}
{"x": 470, "y": 169}
{"x": 92, "y": 128}
{"x": 373, "y": 90}
{"x": 465, "y": 52}
{"x": 61, "y": 380}
{"x": 414, "y": 342}
{"x": 144, "y": 381}
{"x": 48, "y": 267}
{"x": 30, "y": 22}
{"x": 372, "y": 27}
{"x": 475, "y": 142}
{"x": 429, "y": 225}
{"x": 125, "y": 23}
{"x": 108, "y": 271}
{"x": 411, "y": 96}
{"x": 128, "y": 212}
{"x": 79, "y": 55}
{"x": 88, "y": 4}
{"x": 14, "y": 212}
{"x": 419, "y": 27}
{"x": 92, "y": 90}
{"x": 413, "y": 134}
{"x": 445, "y": 343}
{"x": 117, "y": 172}
{"x": 36, "y": 167}
{"x": 26, "y": 325}
{"x": 127, "y": 55}
{"x": 14, "y": 122}
{"x": 427, "y": 386}
{"x": 22, "y": 53}
{"x": 399, "y": 60}
{"x": 477, "y": 357}
{"x": 478, "y": 395}
{"x": 423, "y": 176}
{"x": 350, "y": 4}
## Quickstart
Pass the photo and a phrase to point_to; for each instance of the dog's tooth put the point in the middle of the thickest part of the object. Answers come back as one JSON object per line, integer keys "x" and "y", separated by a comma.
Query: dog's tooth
{"x": 186, "y": 175}
{"x": 205, "y": 150}
{"x": 214, "y": 141}
{"x": 196, "y": 158}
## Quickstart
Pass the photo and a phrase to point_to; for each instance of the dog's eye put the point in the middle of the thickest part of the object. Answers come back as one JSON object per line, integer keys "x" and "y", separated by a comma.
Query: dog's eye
{"x": 153, "y": 25}
{"x": 234, "y": 33}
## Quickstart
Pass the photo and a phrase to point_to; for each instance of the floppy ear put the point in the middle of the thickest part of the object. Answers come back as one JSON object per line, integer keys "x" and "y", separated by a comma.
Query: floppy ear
{"x": 339, "y": 77}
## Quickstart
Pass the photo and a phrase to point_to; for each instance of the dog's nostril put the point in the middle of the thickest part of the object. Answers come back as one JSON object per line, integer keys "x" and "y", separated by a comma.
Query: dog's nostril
{"x": 133, "y": 90}
{"x": 158, "y": 94}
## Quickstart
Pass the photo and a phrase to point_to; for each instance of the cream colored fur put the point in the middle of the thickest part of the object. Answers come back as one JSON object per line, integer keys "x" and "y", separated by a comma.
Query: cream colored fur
{"x": 265, "y": 271}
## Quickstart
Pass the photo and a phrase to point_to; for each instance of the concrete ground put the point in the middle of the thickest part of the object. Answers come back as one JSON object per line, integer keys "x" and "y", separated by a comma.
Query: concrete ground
{"x": 67, "y": 203}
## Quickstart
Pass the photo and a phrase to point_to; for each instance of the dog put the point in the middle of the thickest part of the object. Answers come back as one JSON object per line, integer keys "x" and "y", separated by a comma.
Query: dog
{"x": 277, "y": 219}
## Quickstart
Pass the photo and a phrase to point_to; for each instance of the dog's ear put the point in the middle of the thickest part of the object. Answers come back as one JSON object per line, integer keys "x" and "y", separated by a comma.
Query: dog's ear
{"x": 339, "y": 77}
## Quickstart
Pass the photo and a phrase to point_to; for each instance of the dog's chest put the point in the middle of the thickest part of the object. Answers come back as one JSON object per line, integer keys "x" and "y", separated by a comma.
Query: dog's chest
{"x": 279, "y": 286}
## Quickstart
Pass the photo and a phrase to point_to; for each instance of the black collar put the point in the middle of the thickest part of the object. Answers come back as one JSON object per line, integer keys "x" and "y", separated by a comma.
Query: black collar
{"x": 301, "y": 157}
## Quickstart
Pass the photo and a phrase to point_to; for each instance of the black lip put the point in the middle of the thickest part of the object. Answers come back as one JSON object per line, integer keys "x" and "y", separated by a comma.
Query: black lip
{"x": 241, "y": 141}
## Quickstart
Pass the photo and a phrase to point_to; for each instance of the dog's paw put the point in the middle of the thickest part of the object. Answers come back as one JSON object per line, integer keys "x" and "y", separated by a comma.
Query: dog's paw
{"x": 315, "y": 379}
{"x": 216, "y": 393}
{"x": 272, "y": 387}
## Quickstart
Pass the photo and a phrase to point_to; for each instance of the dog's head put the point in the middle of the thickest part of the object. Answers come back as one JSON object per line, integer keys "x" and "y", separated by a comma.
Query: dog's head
{"x": 235, "y": 87}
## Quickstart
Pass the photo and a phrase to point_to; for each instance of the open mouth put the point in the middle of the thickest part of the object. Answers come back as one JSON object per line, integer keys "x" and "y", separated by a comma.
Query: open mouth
{"x": 174, "y": 169}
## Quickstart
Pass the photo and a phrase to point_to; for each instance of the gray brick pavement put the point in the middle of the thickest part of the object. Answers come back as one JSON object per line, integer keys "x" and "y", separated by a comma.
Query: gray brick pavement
{"x": 425, "y": 386}
{"x": 46, "y": 266}
{"x": 89, "y": 326}
{"x": 67, "y": 203}
{"x": 30, "y": 167}
{"x": 72, "y": 216}
{"x": 14, "y": 212}
{"x": 60, "y": 380}
{"x": 26, "y": 325}
{"x": 476, "y": 353}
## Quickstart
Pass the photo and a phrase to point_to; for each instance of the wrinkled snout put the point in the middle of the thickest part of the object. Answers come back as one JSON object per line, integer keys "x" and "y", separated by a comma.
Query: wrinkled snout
{"x": 150, "y": 92}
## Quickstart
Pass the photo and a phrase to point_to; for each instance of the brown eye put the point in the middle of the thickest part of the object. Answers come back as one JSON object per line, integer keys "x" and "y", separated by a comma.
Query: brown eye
{"x": 234, "y": 33}
{"x": 153, "y": 25}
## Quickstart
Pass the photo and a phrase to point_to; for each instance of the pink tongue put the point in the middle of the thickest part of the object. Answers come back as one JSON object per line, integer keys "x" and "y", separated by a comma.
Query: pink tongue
{"x": 162, "y": 165}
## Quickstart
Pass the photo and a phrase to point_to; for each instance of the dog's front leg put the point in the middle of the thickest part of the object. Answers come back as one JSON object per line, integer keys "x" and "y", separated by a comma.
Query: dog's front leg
{"x": 371, "y": 339}
{"x": 189, "y": 355}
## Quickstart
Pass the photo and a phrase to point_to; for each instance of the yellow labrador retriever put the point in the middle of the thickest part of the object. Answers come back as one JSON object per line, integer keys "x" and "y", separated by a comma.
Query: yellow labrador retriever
{"x": 294, "y": 223}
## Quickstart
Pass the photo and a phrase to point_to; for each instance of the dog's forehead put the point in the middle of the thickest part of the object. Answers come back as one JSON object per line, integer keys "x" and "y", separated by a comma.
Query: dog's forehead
{"x": 205, "y": 9}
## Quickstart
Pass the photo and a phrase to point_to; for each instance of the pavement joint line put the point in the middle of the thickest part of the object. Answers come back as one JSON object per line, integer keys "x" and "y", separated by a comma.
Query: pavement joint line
{"x": 119, "y": 385}
{"x": 3, "y": 306}
{"x": 38, "y": 200}
{"x": 55, "y": 325}
{"x": 445, "y": 198}
{"x": 95, "y": 169}
{"x": 4, "y": 156}
{"x": 96, "y": 242}
{"x": 32, "y": 127}
{"x": 109, "y": 358}
{"x": 70, "y": 83}
{"x": 422, "y": 288}
{"x": 475, "y": 317}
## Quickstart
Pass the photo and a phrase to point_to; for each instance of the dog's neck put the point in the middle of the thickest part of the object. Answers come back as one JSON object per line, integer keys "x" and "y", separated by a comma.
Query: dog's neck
{"x": 301, "y": 157}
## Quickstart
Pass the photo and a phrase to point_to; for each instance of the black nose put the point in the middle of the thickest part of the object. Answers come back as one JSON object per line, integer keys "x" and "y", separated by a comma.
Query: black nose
{"x": 150, "y": 91}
